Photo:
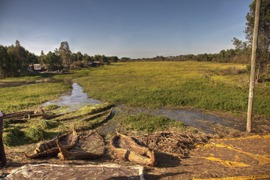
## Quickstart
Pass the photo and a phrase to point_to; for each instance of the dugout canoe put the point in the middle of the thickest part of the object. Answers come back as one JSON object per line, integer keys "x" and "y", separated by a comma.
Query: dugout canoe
{"x": 50, "y": 148}
{"x": 125, "y": 148}
{"x": 90, "y": 146}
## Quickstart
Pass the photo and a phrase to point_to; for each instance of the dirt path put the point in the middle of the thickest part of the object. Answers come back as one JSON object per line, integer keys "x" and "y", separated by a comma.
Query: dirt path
{"x": 221, "y": 158}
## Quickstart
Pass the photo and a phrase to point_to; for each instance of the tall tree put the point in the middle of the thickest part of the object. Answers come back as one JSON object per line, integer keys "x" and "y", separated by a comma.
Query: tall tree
{"x": 263, "y": 51}
{"x": 14, "y": 64}
{"x": 52, "y": 61}
{"x": 4, "y": 62}
{"x": 65, "y": 54}
{"x": 41, "y": 59}
{"x": 19, "y": 55}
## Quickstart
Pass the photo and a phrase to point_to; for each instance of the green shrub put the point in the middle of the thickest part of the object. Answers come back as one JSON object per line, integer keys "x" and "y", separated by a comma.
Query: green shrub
{"x": 50, "y": 107}
{"x": 47, "y": 124}
{"x": 13, "y": 137}
{"x": 5, "y": 124}
{"x": 35, "y": 133}
{"x": 151, "y": 123}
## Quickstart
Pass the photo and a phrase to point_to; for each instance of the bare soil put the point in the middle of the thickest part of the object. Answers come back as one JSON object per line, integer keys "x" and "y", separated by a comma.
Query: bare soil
{"x": 244, "y": 156}
{"x": 230, "y": 153}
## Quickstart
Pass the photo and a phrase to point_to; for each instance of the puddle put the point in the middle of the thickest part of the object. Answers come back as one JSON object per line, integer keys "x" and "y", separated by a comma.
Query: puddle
{"x": 76, "y": 100}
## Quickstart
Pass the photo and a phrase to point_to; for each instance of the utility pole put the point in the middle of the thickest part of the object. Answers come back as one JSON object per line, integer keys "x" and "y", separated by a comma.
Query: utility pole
{"x": 253, "y": 65}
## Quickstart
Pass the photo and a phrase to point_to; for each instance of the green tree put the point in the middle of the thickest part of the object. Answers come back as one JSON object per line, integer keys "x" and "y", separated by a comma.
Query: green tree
{"x": 113, "y": 59}
{"x": 263, "y": 54}
{"x": 4, "y": 62}
{"x": 65, "y": 54}
{"x": 21, "y": 54}
{"x": 32, "y": 58}
{"x": 86, "y": 60}
{"x": 79, "y": 56}
{"x": 52, "y": 61}
{"x": 41, "y": 59}
{"x": 17, "y": 64}
{"x": 242, "y": 51}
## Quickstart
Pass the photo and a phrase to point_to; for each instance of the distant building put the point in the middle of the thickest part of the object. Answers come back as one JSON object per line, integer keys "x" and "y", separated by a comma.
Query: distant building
{"x": 34, "y": 67}
{"x": 37, "y": 67}
{"x": 94, "y": 64}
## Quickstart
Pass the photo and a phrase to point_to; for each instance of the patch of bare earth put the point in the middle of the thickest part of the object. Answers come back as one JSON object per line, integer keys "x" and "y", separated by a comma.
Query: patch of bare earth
{"x": 178, "y": 155}
{"x": 244, "y": 156}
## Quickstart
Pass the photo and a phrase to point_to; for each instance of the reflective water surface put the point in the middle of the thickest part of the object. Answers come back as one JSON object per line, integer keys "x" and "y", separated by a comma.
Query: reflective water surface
{"x": 76, "y": 100}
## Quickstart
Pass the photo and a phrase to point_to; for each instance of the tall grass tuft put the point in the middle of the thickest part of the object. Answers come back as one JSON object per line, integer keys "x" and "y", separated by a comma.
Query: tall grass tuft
{"x": 151, "y": 123}
{"x": 35, "y": 134}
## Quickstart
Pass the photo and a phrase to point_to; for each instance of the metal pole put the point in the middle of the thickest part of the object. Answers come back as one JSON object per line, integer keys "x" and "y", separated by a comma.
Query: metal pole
{"x": 253, "y": 64}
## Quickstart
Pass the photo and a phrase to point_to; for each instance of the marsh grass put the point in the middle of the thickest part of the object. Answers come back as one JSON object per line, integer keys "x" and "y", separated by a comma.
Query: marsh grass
{"x": 12, "y": 136}
{"x": 46, "y": 124}
{"x": 35, "y": 133}
{"x": 204, "y": 85}
{"x": 85, "y": 112}
{"x": 38, "y": 129}
{"x": 150, "y": 123}
{"x": 27, "y": 96}
{"x": 51, "y": 107}
{"x": 21, "y": 79}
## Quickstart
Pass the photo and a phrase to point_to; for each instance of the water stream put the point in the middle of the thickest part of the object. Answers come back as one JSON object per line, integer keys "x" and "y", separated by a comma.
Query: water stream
{"x": 76, "y": 100}
{"x": 195, "y": 118}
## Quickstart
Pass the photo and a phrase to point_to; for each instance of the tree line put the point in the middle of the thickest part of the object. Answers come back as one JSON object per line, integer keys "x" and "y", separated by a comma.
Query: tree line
{"x": 240, "y": 54}
{"x": 15, "y": 60}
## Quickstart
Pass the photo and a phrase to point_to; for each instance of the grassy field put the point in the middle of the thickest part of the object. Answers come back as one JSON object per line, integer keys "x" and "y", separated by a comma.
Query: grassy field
{"x": 16, "y": 94}
{"x": 210, "y": 86}
{"x": 189, "y": 84}
{"x": 34, "y": 128}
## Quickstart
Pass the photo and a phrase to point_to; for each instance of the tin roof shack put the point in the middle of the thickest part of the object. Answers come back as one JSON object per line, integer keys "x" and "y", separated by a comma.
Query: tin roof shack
{"x": 95, "y": 64}
{"x": 35, "y": 67}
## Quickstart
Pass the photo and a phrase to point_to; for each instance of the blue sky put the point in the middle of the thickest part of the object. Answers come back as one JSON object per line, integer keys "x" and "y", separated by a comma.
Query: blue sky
{"x": 131, "y": 28}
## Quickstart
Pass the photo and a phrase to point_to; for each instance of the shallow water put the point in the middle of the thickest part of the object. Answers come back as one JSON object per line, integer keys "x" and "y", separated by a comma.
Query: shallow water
{"x": 76, "y": 100}
{"x": 195, "y": 118}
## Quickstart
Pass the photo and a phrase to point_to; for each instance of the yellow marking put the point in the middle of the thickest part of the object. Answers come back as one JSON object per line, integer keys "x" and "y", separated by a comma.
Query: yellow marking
{"x": 238, "y": 178}
{"x": 249, "y": 137}
{"x": 227, "y": 163}
{"x": 263, "y": 159}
